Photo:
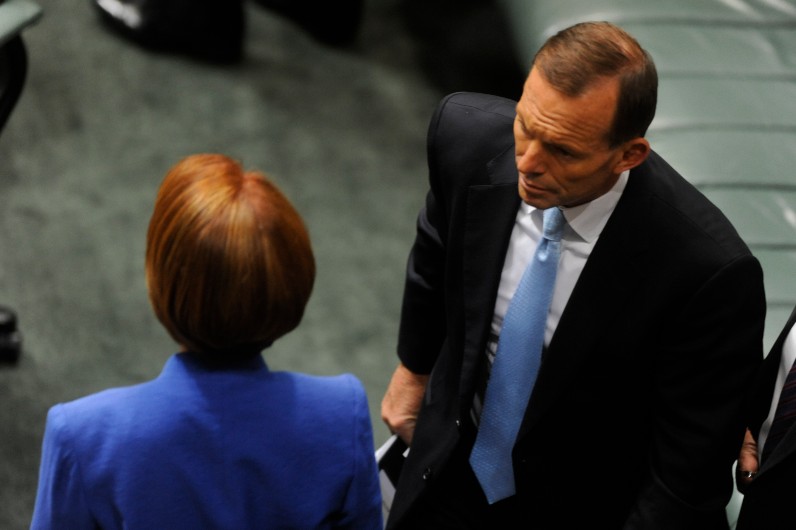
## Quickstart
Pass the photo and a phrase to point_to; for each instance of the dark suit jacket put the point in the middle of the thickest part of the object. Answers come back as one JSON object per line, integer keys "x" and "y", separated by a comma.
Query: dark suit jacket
{"x": 634, "y": 421}
{"x": 768, "y": 501}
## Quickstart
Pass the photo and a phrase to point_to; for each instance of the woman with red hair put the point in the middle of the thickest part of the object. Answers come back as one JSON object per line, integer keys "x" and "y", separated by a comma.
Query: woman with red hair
{"x": 217, "y": 440}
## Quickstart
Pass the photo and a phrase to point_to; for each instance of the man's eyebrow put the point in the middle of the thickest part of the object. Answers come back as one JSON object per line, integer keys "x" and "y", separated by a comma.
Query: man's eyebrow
{"x": 522, "y": 123}
{"x": 568, "y": 148}
{"x": 555, "y": 144}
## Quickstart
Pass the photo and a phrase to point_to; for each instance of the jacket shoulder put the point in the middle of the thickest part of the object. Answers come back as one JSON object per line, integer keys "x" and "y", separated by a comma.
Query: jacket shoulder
{"x": 469, "y": 130}
{"x": 678, "y": 207}
{"x": 484, "y": 103}
{"x": 462, "y": 111}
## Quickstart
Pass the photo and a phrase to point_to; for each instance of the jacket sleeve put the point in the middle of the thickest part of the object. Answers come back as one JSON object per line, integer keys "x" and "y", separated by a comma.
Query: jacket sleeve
{"x": 422, "y": 328}
{"x": 423, "y": 318}
{"x": 61, "y": 501}
{"x": 465, "y": 134}
{"x": 362, "y": 505}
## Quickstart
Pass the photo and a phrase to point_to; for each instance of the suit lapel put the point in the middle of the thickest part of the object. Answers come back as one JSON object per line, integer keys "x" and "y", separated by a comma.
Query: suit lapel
{"x": 788, "y": 444}
{"x": 491, "y": 211}
{"x": 767, "y": 378}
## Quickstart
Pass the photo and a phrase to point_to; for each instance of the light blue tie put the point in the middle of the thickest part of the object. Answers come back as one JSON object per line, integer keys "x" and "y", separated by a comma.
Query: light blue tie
{"x": 519, "y": 354}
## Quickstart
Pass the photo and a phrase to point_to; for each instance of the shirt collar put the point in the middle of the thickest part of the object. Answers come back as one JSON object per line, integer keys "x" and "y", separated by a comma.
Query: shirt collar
{"x": 588, "y": 220}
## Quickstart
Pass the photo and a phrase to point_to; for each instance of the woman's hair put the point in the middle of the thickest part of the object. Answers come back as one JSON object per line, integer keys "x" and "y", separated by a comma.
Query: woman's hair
{"x": 229, "y": 265}
{"x": 577, "y": 57}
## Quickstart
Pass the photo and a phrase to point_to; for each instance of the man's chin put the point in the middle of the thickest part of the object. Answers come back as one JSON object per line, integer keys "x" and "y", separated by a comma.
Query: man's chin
{"x": 537, "y": 200}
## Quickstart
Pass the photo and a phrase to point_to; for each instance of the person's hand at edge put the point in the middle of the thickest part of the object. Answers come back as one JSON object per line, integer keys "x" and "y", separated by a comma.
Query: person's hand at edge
{"x": 401, "y": 403}
{"x": 748, "y": 465}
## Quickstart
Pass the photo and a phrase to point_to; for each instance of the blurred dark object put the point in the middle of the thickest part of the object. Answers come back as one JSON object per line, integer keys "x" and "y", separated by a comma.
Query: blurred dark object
{"x": 207, "y": 30}
{"x": 466, "y": 45}
{"x": 15, "y": 15}
{"x": 13, "y": 70}
{"x": 10, "y": 337}
{"x": 213, "y": 30}
{"x": 333, "y": 22}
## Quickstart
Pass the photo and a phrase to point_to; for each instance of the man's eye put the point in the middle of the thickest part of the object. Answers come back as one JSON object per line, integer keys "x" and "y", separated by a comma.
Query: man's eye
{"x": 563, "y": 151}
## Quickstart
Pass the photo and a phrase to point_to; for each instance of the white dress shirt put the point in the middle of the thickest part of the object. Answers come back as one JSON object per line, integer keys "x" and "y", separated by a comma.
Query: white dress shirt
{"x": 584, "y": 225}
{"x": 585, "y": 222}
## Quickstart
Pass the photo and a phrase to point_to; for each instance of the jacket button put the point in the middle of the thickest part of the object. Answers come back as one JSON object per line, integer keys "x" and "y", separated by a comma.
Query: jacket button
{"x": 427, "y": 473}
{"x": 458, "y": 424}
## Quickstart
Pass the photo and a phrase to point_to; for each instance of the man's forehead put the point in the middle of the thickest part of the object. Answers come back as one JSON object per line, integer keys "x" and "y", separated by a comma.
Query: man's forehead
{"x": 593, "y": 110}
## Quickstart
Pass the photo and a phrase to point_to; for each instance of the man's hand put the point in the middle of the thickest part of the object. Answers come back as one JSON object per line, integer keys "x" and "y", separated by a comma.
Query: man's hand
{"x": 401, "y": 403}
{"x": 748, "y": 465}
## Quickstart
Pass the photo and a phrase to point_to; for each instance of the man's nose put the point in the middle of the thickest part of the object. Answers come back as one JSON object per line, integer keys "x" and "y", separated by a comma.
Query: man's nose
{"x": 530, "y": 160}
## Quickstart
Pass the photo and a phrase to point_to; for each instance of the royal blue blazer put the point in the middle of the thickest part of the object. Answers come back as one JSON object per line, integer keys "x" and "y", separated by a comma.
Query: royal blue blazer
{"x": 202, "y": 447}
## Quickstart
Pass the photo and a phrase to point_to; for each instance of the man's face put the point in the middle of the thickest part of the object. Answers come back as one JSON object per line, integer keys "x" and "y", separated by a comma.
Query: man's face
{"x": 561, "y": 143}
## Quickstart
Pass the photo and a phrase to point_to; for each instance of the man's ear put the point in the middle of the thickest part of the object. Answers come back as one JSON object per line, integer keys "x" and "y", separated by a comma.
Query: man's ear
{"x": 634, "y": 152}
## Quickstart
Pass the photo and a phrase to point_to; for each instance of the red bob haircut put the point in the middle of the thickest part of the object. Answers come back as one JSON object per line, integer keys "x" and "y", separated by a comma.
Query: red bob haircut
{"x": 229, "y": 265}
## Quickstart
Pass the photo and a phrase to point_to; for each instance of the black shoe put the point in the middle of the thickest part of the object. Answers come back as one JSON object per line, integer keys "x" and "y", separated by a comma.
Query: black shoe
{"x": 208, "y": 30}
{"x": 334, "y": 22}
{"x": 10, "y": 338}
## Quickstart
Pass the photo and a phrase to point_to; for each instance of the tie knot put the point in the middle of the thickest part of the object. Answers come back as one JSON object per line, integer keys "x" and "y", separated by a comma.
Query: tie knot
{"x": 554, "y": 222}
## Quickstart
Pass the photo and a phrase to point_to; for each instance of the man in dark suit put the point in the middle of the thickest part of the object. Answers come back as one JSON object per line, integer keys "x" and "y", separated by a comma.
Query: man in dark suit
{"x": 653, "y": 334}
{"x": 769, "y": 485}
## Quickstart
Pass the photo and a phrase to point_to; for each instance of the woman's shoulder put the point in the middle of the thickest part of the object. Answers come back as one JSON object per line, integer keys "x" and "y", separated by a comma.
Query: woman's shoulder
{"x": 95, "y": 409}
{"x": 343, "y": 386}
